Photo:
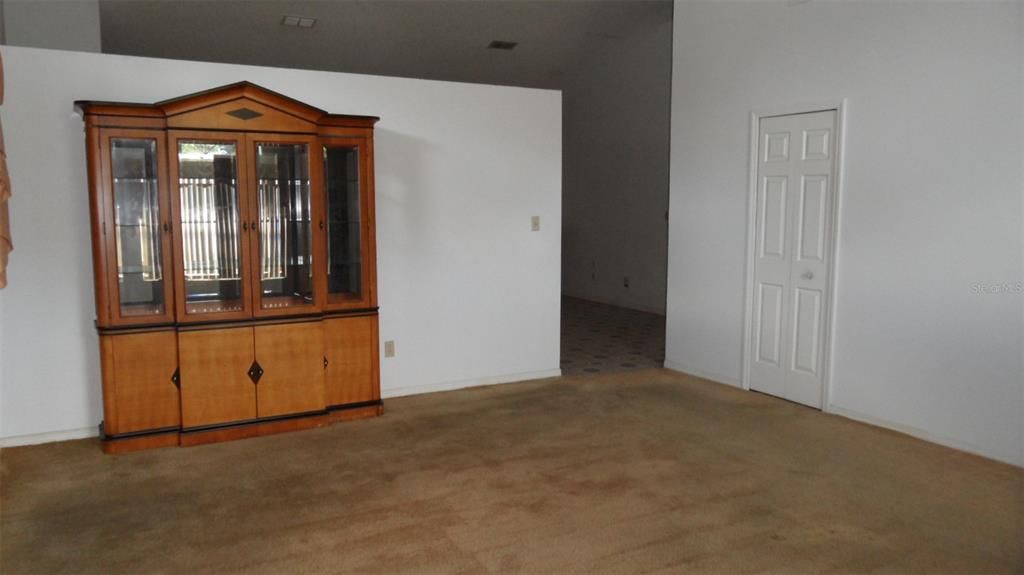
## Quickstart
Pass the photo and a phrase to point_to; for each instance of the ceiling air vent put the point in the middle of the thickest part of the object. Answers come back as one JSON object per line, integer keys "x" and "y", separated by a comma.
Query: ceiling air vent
{"x": 502, "y": 45}
{"x": 298, "y": 21}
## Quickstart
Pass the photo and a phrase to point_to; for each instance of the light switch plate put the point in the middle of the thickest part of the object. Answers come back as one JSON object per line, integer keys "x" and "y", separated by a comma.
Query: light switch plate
{"x": 389, "y": 348}
{"x": 535, "y": 223}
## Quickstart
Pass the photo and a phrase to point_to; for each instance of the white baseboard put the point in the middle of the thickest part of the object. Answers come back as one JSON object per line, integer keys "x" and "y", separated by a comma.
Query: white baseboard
{"x": 687, "y": 370}
{"x": 52, "y": 436}
{"x": 48, "y": 437}
{"x": 453, "y": 385}
{"x": 1013, "y": 459}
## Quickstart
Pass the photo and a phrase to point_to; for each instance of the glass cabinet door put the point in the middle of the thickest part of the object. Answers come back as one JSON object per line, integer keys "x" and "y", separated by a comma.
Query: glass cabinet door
{"x": 284, "y": 222}
{"x": 346, "y": 236}
{"x": 211, "y": 241}
{"x": 139, "y": 244}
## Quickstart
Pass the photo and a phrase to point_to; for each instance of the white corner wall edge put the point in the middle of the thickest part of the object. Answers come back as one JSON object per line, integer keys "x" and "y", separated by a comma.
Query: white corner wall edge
{"x": 953, "y": 443}
{"x": 467, "y": 383}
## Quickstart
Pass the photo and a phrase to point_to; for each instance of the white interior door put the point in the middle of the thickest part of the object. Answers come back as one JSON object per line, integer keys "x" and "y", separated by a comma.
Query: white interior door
{"x": 792, "y": 249}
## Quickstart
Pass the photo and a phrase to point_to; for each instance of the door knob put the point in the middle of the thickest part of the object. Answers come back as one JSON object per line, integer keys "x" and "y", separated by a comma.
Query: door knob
{"x": 808, "y": 276}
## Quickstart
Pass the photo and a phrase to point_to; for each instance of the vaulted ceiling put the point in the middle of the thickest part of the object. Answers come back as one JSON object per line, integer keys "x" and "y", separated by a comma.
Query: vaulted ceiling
{"x": 437, "y": 39}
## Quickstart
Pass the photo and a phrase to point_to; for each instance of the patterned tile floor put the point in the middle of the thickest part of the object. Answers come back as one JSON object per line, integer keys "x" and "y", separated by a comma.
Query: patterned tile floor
{"x": 602, "y": 338}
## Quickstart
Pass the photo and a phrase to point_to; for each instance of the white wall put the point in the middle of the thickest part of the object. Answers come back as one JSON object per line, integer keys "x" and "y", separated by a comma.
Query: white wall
{"x": 469, "y": 294}
{"x": 616, "y": 131}
{"x": 57, "y": 24}
{"x": 931, "y": 210}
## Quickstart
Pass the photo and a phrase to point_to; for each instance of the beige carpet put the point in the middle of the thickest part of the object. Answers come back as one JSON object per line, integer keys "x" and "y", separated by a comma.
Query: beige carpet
{"x": 646, "y": 471}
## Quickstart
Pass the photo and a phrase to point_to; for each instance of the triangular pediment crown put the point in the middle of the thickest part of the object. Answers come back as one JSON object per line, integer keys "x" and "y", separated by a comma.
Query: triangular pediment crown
{"x": 242, "y": 106}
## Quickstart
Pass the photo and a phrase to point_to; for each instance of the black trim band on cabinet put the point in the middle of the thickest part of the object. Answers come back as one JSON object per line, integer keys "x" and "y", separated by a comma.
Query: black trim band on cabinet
{"x": 256, "y": 421}
{"x": 346, "y": 136}
{"x": 247, "y": 322}
{"x": 357, "y": 405}
{"x": 363, "y": 311}
{"x": 134, "y": 434}
{"x": 128, "y": 329}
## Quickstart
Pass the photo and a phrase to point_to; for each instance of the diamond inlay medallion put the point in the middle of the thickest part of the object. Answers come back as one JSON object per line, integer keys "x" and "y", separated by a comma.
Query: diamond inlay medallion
{"x": 244, "y": 114}
{"x": 255, "y": 372}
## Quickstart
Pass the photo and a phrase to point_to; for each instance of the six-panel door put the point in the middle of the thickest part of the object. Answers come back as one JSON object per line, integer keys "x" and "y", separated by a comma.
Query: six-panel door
{"x": 792, "y": 247}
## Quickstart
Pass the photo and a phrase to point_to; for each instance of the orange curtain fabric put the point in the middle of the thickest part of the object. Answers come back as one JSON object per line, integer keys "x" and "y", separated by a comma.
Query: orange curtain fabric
{"x": 5, "y": 193}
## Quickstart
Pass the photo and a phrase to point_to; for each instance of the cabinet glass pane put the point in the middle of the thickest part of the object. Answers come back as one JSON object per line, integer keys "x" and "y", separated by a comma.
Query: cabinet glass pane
{"x": 286, "y": 246}
{"x": 344, "y": 266}
{"x": 211, "y": 241}
{"x": 140, "y": 278}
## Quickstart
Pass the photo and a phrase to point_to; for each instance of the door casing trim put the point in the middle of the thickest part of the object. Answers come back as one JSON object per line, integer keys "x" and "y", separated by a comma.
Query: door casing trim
{"x": 840, "y": 107}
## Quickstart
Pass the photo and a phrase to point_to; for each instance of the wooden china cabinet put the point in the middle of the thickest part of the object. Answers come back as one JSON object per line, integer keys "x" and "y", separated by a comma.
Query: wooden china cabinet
{"x": 235, "y": 266}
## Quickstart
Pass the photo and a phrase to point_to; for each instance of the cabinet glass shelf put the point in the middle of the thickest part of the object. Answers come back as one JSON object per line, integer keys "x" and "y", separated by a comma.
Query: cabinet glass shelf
{"x": 344, "y": 224}
{"x": 137, "y": 226}
{"x": 210, "y": 216}
{"x": 285, "y": 225}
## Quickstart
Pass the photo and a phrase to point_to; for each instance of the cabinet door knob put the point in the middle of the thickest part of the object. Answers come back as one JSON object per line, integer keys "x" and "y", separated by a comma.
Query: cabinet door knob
{"x": 325, "y": 362}
{"x": 253, "y": 225}
{"x": 245, "y": 226}
{"x": 167, "y": 228}
{"x": 321, "y": 224}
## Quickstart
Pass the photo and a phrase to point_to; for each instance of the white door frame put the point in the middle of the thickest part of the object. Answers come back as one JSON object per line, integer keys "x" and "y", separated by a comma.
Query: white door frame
{"x": 832, "y": 248}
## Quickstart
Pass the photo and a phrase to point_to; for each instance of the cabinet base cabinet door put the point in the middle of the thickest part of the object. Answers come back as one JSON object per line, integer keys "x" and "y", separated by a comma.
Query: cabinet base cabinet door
{"x": 292, "y": 359}
{"x": 138, "y": 382}
{"x": 215, "y": 382}
{"x": 352, "y": 360}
